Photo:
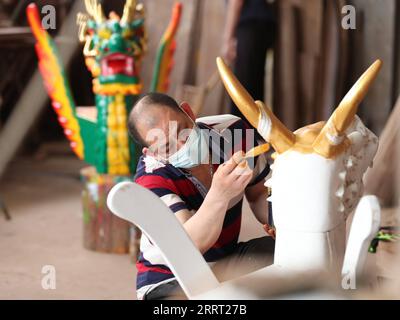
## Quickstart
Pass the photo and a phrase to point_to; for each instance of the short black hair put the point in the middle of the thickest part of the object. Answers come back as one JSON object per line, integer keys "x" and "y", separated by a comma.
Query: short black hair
{"x": 155, "y": 99}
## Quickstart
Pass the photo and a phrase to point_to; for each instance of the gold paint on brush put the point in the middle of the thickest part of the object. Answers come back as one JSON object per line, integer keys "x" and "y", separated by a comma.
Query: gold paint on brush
{"x": 252, "y": 153}
{"x": 256, "y": 151}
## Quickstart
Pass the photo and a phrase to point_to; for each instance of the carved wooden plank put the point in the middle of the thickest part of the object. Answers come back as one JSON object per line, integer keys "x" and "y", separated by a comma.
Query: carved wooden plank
{"x": 210, "y": 47}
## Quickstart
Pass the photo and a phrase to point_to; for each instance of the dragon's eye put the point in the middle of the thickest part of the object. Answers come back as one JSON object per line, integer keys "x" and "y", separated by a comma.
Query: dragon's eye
{"x": 104, "y": 33}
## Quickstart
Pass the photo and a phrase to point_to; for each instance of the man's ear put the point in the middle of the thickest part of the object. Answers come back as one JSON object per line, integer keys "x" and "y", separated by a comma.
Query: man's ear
{"x": 188, "y": 110}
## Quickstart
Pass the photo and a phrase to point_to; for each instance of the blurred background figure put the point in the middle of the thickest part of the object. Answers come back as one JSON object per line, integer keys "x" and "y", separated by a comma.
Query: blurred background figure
{"x": 250, "y": 30}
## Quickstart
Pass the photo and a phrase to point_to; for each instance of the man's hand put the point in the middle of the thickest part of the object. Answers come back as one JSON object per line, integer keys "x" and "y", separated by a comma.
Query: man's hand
{"x": 229, "y": 44}
{"x": 229, "y": 50}
{"x": 231, "y": 178}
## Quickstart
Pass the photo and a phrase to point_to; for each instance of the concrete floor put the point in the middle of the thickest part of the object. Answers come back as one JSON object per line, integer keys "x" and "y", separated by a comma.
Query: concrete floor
{"x": 43, "y": 196}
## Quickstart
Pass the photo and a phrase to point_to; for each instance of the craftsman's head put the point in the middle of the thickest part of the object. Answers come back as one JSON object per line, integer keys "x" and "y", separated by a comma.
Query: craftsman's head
{"x": 160, "y": 125}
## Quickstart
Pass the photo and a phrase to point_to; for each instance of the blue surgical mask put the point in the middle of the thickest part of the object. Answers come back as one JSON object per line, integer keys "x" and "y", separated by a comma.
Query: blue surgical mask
{"x": 193, "y": 152}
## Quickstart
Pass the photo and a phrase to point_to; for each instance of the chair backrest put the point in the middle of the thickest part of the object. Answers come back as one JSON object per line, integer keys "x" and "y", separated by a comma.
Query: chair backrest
{"x": 143, "y": 208}
{"x": 364, "y": 227}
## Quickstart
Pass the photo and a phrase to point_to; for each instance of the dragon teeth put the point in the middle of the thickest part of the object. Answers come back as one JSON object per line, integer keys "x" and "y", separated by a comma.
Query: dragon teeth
{"x": 340, "y": 192}
{"x": 351, "y": 162}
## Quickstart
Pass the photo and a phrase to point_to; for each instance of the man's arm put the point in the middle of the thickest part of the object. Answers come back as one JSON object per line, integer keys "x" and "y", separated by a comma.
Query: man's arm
{"x": 229, "y": 38}
{"x": 204, "y": 227}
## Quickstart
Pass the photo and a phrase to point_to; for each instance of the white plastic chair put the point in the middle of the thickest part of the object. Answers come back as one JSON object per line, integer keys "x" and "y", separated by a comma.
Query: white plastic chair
{"x": 364, "y": 227}
{"x": 143, "y": 208}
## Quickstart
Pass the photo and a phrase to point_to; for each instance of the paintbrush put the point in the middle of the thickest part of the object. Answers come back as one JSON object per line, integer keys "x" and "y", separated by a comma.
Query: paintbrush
{"x": 256, "y": 151}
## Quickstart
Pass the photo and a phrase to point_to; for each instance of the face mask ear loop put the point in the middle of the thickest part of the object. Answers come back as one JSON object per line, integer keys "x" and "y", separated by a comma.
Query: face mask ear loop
{"x": 193, "y": 121}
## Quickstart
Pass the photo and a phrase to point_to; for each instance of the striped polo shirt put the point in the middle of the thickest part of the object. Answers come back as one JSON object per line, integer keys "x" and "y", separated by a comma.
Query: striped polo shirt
{"x": 181, "y": 191}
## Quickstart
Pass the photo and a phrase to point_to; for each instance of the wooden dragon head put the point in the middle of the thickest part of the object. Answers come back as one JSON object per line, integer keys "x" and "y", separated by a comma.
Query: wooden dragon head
{"x": 113, "y": 47}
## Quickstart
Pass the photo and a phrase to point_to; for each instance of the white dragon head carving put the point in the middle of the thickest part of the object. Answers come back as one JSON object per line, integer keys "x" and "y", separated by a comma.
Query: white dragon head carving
{"x": 317, "y": 172}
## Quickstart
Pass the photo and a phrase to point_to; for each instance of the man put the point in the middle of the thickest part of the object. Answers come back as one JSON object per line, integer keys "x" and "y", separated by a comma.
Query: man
{"x": 249, "y": 32}
{"x": 190, "y": 166}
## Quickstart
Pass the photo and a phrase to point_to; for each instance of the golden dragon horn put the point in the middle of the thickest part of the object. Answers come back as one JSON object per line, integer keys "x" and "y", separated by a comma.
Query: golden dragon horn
{"x": 95, "y": 10}
{"x": 274, "y": 131}
{"x": 129, "y": 11}
{"x": 331, "y": 138}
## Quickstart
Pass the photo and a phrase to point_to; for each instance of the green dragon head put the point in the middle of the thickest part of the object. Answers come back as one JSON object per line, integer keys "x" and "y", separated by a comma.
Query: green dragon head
{"x": 113, "y": 47}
